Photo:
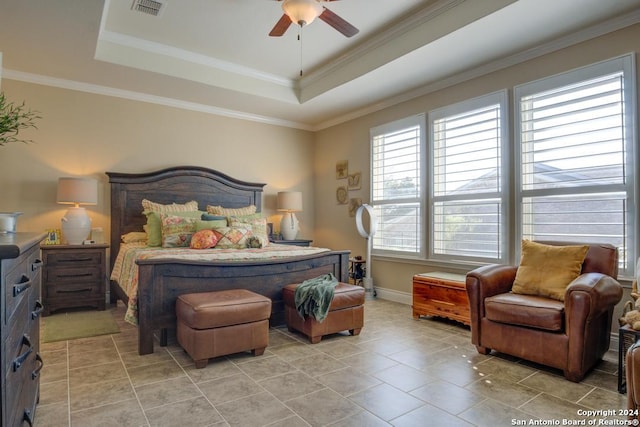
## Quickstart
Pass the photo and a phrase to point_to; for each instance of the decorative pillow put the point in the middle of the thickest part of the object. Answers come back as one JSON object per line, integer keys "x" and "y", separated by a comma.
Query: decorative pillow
{"x": 211, "y": 217}
{"x": 209, "y": 225}
{"x": 148, "y": 205}
{"x": 547, "y": 270}
{"x": 177, "y": 230}
{"x": 232, "y": 237}
{"x": 154, "y": 224}
{"x": 258, "y": 227}
{"x": 219, "y": 210}
{"x": 134, "y": 236}
{"x": 203, "y": 239}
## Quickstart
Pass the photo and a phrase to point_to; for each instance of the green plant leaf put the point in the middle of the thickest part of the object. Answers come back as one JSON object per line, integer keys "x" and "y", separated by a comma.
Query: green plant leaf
{"x": 13, "y": 118}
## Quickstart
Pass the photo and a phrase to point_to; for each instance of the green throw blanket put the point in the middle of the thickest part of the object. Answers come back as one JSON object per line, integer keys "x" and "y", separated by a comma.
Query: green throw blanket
{"x": 313, "y": 297}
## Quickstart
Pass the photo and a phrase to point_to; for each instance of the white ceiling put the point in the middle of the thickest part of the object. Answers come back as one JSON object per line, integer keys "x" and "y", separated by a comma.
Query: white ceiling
{"x": 216, "y": 55}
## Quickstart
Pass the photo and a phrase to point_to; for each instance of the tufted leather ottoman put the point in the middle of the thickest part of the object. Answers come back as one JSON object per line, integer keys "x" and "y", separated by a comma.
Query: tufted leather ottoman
{"x": 212, "y": 324}
{"x": 346, "y": 312}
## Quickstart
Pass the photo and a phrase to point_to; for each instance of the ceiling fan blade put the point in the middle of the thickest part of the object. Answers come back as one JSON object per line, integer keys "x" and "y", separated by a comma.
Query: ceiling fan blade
{"x": 338, "y": 23}
{"x": 281, "y": 26}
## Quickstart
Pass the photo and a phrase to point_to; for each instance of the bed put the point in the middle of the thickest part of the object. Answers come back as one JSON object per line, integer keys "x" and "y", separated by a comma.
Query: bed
{"x": 161, "y": 281}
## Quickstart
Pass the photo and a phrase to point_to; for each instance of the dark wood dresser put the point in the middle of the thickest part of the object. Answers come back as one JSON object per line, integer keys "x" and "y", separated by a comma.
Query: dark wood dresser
{"x": 20, "y": 274}
{"x": 74, "y": 276}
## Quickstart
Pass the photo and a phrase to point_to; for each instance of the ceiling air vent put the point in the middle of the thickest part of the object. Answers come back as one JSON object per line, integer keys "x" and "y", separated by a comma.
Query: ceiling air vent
{"x": 150, "y": 7}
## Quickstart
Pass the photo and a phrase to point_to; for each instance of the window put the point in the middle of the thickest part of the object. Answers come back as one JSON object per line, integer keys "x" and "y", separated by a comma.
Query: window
{"x": 575, "y": 152}
{"x": 567, "y": 171}
{"x": 467, "y": 200}
{"x": 397, "y": 188}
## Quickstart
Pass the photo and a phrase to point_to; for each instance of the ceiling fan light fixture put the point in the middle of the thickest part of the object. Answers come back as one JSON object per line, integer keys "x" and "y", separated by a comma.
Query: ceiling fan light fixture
{"x": 302, "y": 12}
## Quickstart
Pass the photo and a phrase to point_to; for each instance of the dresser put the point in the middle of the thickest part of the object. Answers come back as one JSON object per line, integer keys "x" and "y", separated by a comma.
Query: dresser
{"x": 74, "y": 276}
{"x": 20, "y": 275}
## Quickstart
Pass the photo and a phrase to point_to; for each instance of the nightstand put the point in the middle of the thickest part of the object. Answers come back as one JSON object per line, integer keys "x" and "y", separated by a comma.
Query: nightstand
{"x": 74, "y": 276}
{"x": 297, "y": 242}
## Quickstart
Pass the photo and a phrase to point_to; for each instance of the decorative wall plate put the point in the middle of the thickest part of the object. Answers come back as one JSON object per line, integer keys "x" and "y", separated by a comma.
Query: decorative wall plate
{"x": 341, "y": 195}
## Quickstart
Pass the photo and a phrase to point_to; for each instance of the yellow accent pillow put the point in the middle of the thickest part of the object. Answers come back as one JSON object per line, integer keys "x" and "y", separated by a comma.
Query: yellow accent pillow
{"x": 547, "y": 270}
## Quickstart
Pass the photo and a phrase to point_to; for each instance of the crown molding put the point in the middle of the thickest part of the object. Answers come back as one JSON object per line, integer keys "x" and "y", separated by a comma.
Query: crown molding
{"x": 580, "y": 36}
{"x": 192, "y": 57}
{"x": 144, "y": 97}
{"x": 376, "y": 42}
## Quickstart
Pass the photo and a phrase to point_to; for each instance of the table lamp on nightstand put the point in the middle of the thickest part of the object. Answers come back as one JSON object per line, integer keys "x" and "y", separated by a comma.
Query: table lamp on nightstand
{"x": 76, "y": 224}
{"x": 289, "y": 202}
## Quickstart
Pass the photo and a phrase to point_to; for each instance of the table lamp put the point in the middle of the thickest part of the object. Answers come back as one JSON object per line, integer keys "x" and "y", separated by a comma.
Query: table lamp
{"x": 76, "y": 224}
{"x": 289, "y": 202}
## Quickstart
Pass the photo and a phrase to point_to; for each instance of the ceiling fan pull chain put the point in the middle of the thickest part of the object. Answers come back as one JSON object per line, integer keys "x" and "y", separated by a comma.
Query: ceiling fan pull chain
{"x": 300, "y": 40}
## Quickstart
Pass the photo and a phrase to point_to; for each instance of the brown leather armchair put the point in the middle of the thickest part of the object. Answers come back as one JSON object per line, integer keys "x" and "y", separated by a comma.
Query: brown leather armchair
{"x": 571, "y": 335}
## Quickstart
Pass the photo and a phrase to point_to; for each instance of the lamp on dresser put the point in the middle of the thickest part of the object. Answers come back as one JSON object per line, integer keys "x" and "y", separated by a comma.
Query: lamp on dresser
{"x": 76, "y": 224}
{"x": 289, "y": 202}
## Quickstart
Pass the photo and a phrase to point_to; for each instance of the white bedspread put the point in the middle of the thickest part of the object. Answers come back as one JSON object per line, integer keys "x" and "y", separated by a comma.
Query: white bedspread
{"x": 125, "y": 269}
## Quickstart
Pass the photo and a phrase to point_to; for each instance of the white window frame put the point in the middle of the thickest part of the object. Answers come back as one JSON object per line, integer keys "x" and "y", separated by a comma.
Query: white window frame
{"x": 626, "y": 64}
{"x": 388, "y": 128}
{"x": 501, "y": 98}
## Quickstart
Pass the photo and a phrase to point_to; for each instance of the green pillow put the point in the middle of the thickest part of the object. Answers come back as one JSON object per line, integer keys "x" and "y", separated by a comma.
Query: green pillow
{"x": 211, "y": 217}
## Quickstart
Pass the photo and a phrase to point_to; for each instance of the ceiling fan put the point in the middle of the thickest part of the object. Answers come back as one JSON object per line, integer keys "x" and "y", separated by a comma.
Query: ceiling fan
{"x": 303, "y": 12}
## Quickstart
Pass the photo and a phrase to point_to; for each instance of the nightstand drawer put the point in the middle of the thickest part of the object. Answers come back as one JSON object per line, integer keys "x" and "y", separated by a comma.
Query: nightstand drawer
{"x": 72, "y": 290}
{"x": 59, "y": 276}
{"x": 73, "y": 259}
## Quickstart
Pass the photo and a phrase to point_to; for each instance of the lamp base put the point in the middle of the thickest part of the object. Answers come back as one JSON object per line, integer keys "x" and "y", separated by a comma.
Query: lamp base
{"x": 289, "y": 226}
{"x": 76, "y": 226}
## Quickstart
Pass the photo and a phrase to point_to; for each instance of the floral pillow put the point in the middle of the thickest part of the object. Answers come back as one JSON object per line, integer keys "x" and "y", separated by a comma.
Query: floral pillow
{"x": 177, "y": 231}
{"x": 258, "y": 227}
{"x": 204, "y": 239}
{"x": 232, "y": 237}
{"x": 154, "y": 224}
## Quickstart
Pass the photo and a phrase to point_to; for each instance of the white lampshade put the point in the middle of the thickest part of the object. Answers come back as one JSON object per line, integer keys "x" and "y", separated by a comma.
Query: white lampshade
{"x": 77, "y": 191}
{"x": 289, "y": 202}
{"x": 302, "y": 12}
{"x": 76, "y": 224}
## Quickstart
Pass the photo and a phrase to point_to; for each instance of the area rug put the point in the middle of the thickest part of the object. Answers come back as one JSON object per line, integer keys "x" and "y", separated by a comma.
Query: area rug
{"x": 78, "y": 324}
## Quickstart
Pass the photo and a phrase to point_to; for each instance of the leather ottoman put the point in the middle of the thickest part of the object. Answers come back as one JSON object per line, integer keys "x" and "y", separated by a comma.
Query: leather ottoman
{"x": 212, "y": 324}
{"x": 346, "y": 312}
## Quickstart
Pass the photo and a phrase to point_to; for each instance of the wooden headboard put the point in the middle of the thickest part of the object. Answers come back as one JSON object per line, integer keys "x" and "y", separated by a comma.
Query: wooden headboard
{"x": 173, "y": 185}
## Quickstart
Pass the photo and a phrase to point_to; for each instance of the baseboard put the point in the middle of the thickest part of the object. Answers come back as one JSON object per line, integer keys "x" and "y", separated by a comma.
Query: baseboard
{"x": 393, "y": 295}
{"x": 407, "y": 299}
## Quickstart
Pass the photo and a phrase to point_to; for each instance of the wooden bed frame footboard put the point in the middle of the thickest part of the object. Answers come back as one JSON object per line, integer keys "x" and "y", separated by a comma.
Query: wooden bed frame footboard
{"x": 161, "y": 282}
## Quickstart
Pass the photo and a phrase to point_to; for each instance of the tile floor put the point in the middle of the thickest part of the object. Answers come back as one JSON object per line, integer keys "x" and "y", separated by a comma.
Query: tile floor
{"x": 398, "y": 371}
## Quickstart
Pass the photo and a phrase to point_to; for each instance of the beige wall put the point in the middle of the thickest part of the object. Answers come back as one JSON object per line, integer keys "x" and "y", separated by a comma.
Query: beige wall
{"x": 350, "y": 141}
{"x": 86, "y": 134}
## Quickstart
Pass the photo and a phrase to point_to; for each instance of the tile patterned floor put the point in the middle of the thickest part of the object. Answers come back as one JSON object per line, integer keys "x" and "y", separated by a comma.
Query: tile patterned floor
{"x": 398, "y": 371}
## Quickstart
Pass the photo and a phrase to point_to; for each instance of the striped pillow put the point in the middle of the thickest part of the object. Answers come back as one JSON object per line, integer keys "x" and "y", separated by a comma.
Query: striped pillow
{"x": 219, "y": 210}
{"x": 148, "y": 205}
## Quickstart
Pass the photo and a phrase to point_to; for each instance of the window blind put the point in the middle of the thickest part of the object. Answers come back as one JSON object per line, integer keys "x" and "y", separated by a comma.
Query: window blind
{"x": 574, "y": 161}
{"x": 396, "y": 186}
{"x": 467, "y": 201}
